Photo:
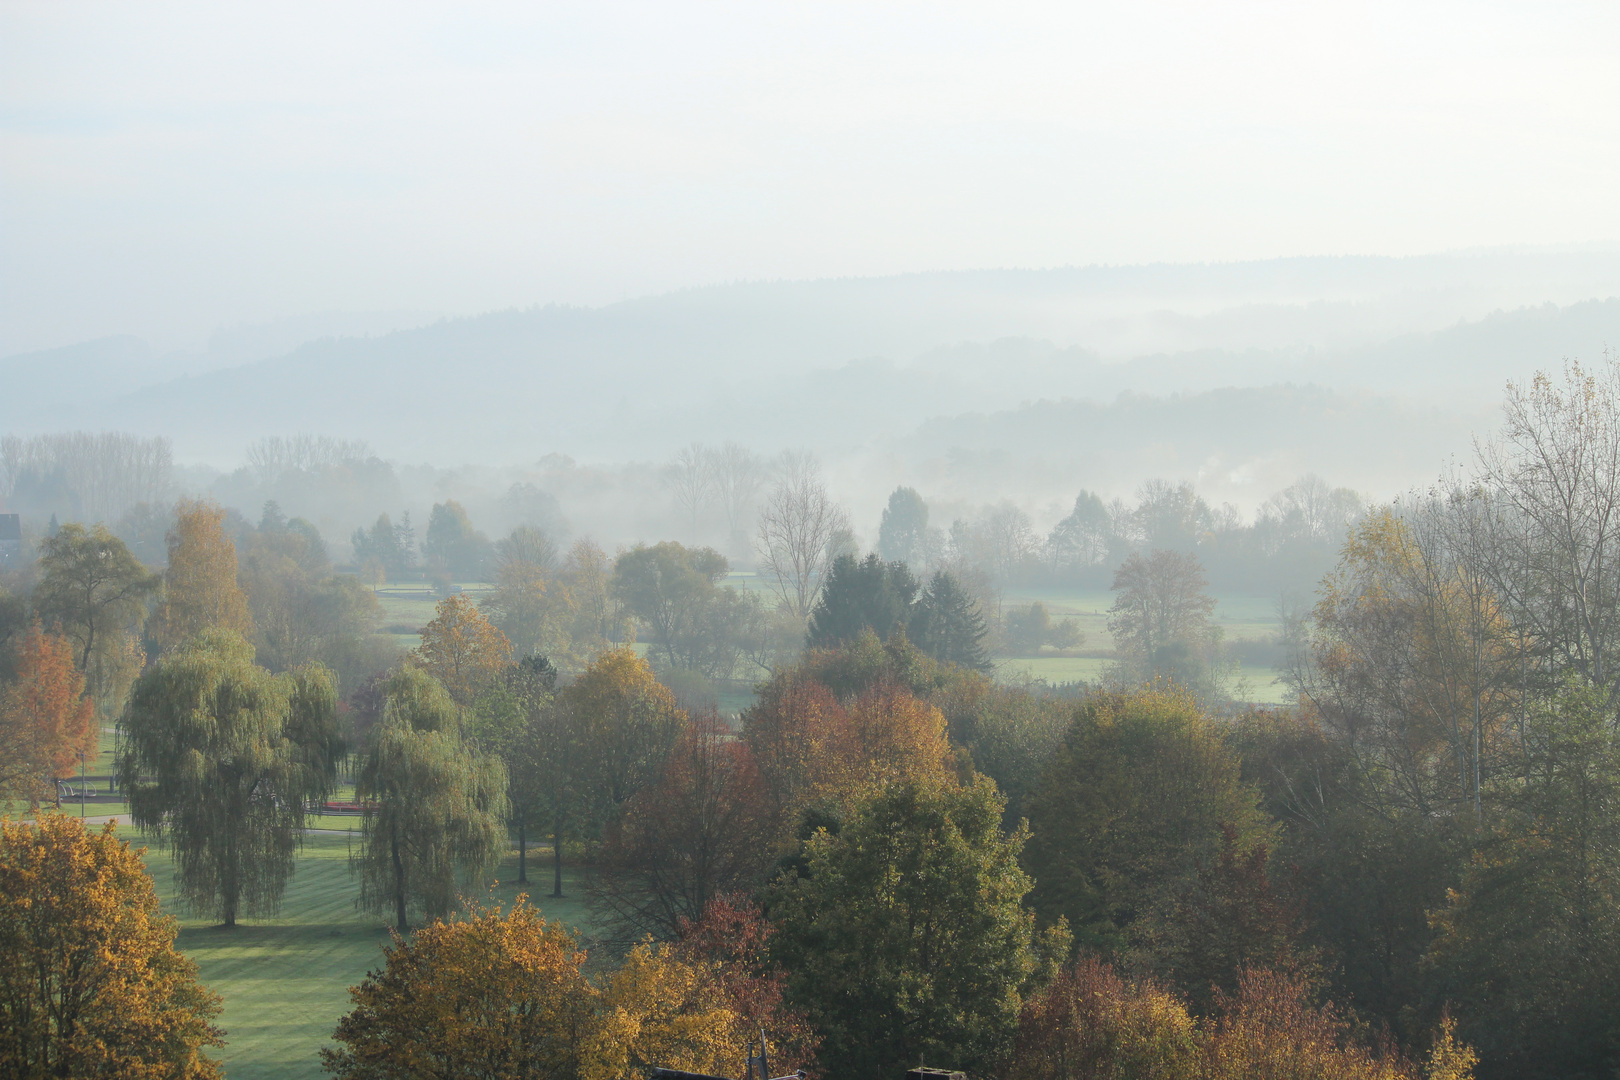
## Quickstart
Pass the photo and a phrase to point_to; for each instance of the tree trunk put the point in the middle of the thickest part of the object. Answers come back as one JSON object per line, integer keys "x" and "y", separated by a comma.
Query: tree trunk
{"x": 403, "y": 926}
{"x": 523, "y": 852}
{"x": 556, "y": 860}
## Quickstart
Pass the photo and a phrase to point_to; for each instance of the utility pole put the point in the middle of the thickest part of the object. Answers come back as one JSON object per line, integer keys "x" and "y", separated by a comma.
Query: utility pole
{"x": 81, "y": 785}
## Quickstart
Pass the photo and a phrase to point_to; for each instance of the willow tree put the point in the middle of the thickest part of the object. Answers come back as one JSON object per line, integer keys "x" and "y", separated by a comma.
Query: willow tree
{"x": 220, "y": 759}
{"x": 435, "y": 806}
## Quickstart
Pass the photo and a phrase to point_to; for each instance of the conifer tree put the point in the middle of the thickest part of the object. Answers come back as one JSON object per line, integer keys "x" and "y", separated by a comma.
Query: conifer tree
{"x": 947, "y": 625}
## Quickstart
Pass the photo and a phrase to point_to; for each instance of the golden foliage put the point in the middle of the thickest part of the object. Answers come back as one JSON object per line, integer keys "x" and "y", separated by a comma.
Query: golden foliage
{"x": 484, "y": 995}
{"x": 813, "y": 751}
{"x": 1090, "y": 1024}
{"x": 45, "y": 717}
{"x": 200, "y": 589}
{"x": 658, "y": 1009}
{"x": 494, "y": 996}
{"x": 462, "y": 649}
{"x": 90, "y": 982}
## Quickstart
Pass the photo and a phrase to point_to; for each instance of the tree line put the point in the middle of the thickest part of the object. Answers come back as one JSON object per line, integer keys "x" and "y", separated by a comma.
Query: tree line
{"x": 889, "y": 856}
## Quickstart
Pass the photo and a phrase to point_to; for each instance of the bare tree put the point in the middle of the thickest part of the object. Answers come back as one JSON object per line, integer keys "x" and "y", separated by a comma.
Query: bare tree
{"x": 692, "y": 480}
{"x": 103, "y": 474}
{"x": 801, "y": 530}
{"x": 739, "y": 476}
{"x": 274, "y": 455}
{"x": 1553, "y": 527}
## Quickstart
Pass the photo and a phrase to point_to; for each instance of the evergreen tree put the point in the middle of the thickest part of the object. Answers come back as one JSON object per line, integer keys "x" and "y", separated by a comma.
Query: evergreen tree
{"x": 865, "y": 595}
{"x": 947, "y": 624}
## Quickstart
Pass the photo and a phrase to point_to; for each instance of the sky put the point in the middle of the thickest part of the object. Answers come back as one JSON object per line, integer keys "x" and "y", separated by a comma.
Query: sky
{"x": 168, "y": 169}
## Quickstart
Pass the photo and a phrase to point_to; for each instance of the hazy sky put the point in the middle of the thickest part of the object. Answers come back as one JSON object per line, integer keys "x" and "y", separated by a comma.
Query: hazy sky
{"x": 171, "y": 168}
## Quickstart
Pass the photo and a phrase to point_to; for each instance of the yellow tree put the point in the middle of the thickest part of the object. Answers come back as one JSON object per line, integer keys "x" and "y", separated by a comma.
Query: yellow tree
{"x": 625, "y": 723}
{"x": 483, "y": 995}
{"x": 493, "y": 995}
{"x": 1413, "y": 660}
{"x": 200, "y": 589}
{"x": 46, "y": 720}
{"x": 463, "y": 649}
{"x": 90, "y": 981}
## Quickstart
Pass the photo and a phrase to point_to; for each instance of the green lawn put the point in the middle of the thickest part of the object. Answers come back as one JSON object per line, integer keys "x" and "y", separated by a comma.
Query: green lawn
{"x": 1255, "y": 684}
{"x": 285, "y": 980}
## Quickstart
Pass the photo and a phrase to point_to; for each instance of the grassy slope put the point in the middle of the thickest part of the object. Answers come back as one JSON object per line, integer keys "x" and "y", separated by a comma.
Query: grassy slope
{"x": 285, "y": 980}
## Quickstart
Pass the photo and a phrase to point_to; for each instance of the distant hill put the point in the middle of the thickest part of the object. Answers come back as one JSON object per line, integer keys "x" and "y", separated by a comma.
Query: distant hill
{"x": 854, "y": 367}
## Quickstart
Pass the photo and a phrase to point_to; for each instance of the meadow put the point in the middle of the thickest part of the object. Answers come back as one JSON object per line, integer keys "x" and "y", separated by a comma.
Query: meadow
{"x": 285, "y": 979}
{"x": 406, "y": 606}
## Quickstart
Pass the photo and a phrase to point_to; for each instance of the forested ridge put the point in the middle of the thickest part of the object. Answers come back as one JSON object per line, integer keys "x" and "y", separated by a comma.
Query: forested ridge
{"x": 803, "y": 799}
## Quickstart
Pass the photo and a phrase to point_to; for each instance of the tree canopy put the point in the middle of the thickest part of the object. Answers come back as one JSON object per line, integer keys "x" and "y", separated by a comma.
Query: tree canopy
{"x": 904, "y": 936}
{"x": 220, "y": 759}
{"x": 434, "y": 805}
{"x": 91, "y": 984}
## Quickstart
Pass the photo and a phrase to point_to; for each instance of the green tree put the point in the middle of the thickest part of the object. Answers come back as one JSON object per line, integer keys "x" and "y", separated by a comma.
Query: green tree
{"x": 903, "y": 531}
{"x": 219, "y": 759}
{"x": 515, "y": 719}
{"x": 1133, "y": 800}
{"x": 95, "y": 591}
{"x": 387, "y": 545}
{"x": 1529, "y": 943}
{"x": 670, "y": 587}
{"x": 1160, "y": 620}
{"x": 865, "y": 595}
{"x": 947, "y": 624}
{"x": 623, "y": 723}
{"x": 91, "y": 984}
{"x": 905, "y": 937}
{"x": 530, "y": 604}
{"x": 433, "y": 804}
{"x": 453, "y": 545}
{"x": 1028, "y": 629}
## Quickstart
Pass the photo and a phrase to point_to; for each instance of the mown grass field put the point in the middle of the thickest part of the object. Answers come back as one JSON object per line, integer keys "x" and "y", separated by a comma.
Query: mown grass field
{"x": 285, "y": 980}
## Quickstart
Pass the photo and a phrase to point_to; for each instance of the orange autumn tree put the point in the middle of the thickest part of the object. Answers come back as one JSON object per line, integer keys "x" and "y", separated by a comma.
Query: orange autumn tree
{"x": 462, "y": 649}
{"x": 90, "y": 981}
{"x": 491, "y": 995}
{"x": 818, "y": 752}
{"x": 45, "y": 717}
{"x": 200, "y": 589}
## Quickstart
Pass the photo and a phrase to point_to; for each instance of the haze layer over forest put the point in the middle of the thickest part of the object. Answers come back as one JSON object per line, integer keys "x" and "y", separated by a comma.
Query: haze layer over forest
{"x": 974, "y": 386}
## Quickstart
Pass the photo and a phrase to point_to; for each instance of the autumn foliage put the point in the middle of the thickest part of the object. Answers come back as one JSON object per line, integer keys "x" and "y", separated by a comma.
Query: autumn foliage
{"x": 506, "y": 995}
{"x": 45, "y": 717}
{"x": 816, "y": 751}
{"x": 90, "y": 982}
{"x": 1092, "y": 1023}
{"x": 200, "y": 588}
{"x": 463, "y": 649}
{"x": 703, "y": 828}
